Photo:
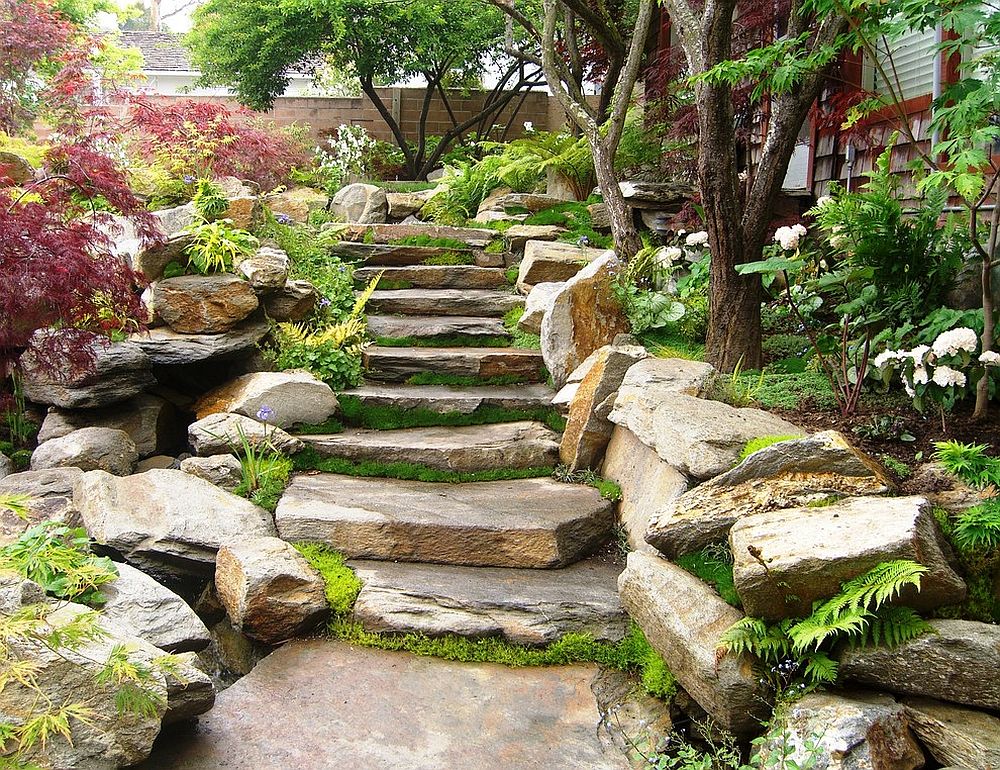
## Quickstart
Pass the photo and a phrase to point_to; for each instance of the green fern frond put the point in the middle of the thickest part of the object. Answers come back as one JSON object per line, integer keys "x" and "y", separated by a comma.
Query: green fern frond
{"x": 819, "y": 668}
{"x": 359, "y": 304}
{"x": 812, "y": 632}
{"x": 978, "y": 528}
{"x": 892, "y": 626}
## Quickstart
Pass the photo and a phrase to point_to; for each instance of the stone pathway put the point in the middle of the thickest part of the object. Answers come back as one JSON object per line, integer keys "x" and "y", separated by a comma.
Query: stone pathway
{"x": 469, "y": 559}
{"x": 320, "y": 705}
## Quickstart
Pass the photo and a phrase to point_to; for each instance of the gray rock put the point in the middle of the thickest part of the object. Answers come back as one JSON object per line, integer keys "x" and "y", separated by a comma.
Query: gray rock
{"x": 15, "y": 168}
{"x": 647, "y": 483}
{"x": 436, "y": 276}
{"x": 152, "y": 259}
{"x": 513, "y": 445}
{"x": 630, "y": 716}
{"x": 698, "y": 437}
{"x": 403, "y": 205}
{"x": 6, "y": 466}
{"x": 538, "y": 303}
{"x": 477, "y": 237}
{"x": 120, "y": 371}
{"x": 153, "y": 612}
{"x": 398, "y": 364}
{"x": 244, "y": 206}
{"x": 297, "y": 203}
{"x": 851, "y": 731}
{"x": 652, "y": 377}
{"x": 361, "y": 204}
{"x": 266, "y": 270}
{"x": 789, "y": 474}
{"x": 430, "y": 326}
{"x": 224, "y": 471}
{"x": 444, "y": 302}
{"x": 787, "y": 559}
{"x": 293, "y": 302}
{"x": 268, "y": 589}
{"x": 520, "y": 523}
{"x": 222, "y": 433}
{"x": 584, "y": 316}
{"x": 175, "y": 219}
{"x": 447, "y": 398}
{"x": 967, "y": 739}
{"x": 499, "y": 201}
{"x": 294, "y": 398}
{"x": 156, "y": 462}
{"x": 166, "y": 347}
{"x": 89, "y": 449}
{"x": 203, "y": 304}
{"x": 190, "y": 692}
{"x": 588, "y": 429}
{"x": 16, "y": 592}
{"x": 548, "y": 261}
{"x": 524, "y": 606}
{"x": 148, "y": 420}
{"x": 683, "y": 619}
{"x": 658, "y": 196}
{"x": 50, "y": 498}
{"x": 166, "y": 522}
{"x": 958, "y": 661}
{"x": 517, "y": 237}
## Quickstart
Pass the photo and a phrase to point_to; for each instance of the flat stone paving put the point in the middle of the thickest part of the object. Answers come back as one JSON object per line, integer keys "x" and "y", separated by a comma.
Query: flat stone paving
{"x": 324, "y": 705}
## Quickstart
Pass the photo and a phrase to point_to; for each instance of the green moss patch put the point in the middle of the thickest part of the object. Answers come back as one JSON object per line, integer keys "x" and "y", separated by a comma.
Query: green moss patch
{"x": 712, "y": 567}
{"x": 310, "y": 459}
{"x": 461, "y": 380}
{"x": 762, "y": 442}
{"x": 450, "y": 341}
{"x": 520, "y": 339}
{"x": 342, "y": 585}
{"x": 451, "y": 259}
{"x": 358, "y": 414}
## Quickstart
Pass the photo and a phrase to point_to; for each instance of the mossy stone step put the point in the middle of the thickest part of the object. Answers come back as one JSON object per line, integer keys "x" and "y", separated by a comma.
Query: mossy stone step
{"x": 475, "y": 237}
{"x": 514, "y": 445}
{"x": 399, "y": 364}
{"x": 391, "y": 255}
{"x": 432, "y": 327}
{"x": 449, "y": 398}
{"x": 436, "y": 276}
{"x": 523, "y": 606}
{"x": 524, "y": 523}
{"x": 484, "y": 303}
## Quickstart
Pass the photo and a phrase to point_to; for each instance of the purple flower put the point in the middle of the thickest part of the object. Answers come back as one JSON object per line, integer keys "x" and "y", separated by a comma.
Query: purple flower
{"x": 283, "y": 219}
{"x": 188, "y": 179}
{"x": 324, "y": 303}
{"x": 265, "y": 413}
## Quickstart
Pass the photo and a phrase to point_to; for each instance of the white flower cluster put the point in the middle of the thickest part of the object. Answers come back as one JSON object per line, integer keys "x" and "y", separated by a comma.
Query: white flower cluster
{"x": 348, "y": 152}
{"x": 699, "y": 238}
{"x": 990, "y": 358}
{"x": 789, "y": 237}
{"x": 924, "y": 364}
{"x": 954, "y": 341}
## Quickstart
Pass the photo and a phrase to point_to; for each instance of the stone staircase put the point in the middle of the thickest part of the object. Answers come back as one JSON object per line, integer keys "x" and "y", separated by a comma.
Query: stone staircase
{"x": 526, "y": 559}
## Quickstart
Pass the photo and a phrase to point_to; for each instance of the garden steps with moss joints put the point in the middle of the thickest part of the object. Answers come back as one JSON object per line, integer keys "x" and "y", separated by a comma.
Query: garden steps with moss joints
{"x": 482, "y": 303}
{"x": 467, "y": 449}
{"x": 388, "y": 255}
{"x": 436, "y": 276}
{"x": 399, "y": 364}
{"x": 523, "y": 606}
{"x": 432, "y": 327}
{"x": 449, "y": 398}
{"x": 525, "y": 523}
{"x": 475, "y": 237}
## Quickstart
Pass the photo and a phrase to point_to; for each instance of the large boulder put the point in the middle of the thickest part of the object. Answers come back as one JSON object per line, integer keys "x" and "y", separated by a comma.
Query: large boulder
{"x": 203, "y": 304}
{"x": 50, "y": 498}
{"x": 646, "y": 482}
{"x": 359, "y": 203}
{"x": 546, "y": 261}
{"x": 297, "y": 203}
{"x": 225, "y": 471}
{"x": 166, "y": 522}
{"x": 175, "y": 219}
{"x": 958, "y": 661}
{"x": 89, "y": 449}
{"x": 295, "y": 397}
{"x": 788, "y": 474}
{"x": 224, "y": 432}
{"x": 117, "y": 372}
{"x": 6, "y": 466}
{"x": 650, "y": 378}
{"x": 266, "y": 270}
{"x": 244, "y": 208}
{"x": 153, "y": 612}
{"x": 403, "y": 205}
{"x": 684, "y": 619}
{"x": 14, "y": 169}
{"x": 152, "y": 259}
{"x": 700, "y": 438}
{"x": 958, "y": 737}
{"x": 295, "y": 301}
{"x": 518, "y": 236}
{"x": 538, "y": 303}
{"x": 785, "y": 560}
{"x": 585, "y": 315}
{"x": 166, "y": 347}
{"x": 850, "y": 731}
{"x": 148, "y": 420}
{"x": 70, "y": 675}
{"x": 588, "y": 429}
{"x": 268, "y": 589}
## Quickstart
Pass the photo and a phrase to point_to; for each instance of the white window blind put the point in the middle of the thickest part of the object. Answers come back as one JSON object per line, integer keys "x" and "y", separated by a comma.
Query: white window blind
{"x": 910, "y": 69}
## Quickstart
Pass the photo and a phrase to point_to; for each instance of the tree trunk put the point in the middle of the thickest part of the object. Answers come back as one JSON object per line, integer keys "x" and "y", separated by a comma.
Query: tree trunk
{"x": 623, "y": 229}
{"x": 983, "y": 386}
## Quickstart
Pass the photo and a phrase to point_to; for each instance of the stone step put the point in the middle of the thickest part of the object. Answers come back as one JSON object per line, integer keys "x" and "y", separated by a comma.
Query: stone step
{"x": 523, "y": 606}
{"x": 463, "y": 449}
{"x": 473, "y": 237}
{"x": 484, "y": 303}
{"x": 431, "y": 327}
{"x": 399, "y": 364}
{"x": 390, "y": 255}
{"x": 524, "y": 523}
{"x": 436, "y": 276}
{"x": 448, "y": 398}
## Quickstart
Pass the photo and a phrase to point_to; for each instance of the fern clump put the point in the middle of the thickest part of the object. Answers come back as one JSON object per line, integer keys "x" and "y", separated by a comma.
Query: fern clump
{"x": 969, "y": 462}
{"x": 859, "y": 614}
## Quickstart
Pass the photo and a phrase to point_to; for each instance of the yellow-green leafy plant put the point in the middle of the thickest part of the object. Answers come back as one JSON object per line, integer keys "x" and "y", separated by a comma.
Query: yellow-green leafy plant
{"x": 216, "y": 246}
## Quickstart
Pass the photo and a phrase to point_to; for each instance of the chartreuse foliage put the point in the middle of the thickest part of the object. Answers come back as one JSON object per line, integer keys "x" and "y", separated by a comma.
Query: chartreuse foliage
{"x": 761, "y": 442}
{"x": 977, "y": 528}
{"x": 859, "y": 614}
{"x": 357, "y": 413}
{"x": 342, "y": 585}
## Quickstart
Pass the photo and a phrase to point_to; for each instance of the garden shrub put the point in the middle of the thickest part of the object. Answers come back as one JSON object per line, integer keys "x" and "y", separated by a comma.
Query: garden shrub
{"x": 216, "y": 246}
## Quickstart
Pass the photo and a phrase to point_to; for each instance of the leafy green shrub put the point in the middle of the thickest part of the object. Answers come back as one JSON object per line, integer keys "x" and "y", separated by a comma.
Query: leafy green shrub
{"x": 969, "y": 462}
{"x": 342, "y": 585}
{"x": 209, "y": 200}
{"x": 576, "y": 218}
{"x": 332, "y": 354}
{"x": 979, "y": 568}
{"x": 859, "y": 614}
{"x": 216, "y": 246}
{"x": 778, "y": 346}
{"x": 59, "y": 559}
{"x": 265, "y": 470}
{"x": 639, "y": 288}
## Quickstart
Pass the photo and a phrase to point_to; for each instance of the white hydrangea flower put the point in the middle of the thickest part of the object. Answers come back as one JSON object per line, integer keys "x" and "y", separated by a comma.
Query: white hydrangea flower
{"x": 668, "y": 255}
{"x": 945, "y": 376}
{"x": 990, "y": 358}
{"x": 955, "y": 340}
{"x": 699, "y": 238}
{"x": 920, "y": 376}
{"x": 885, "y": 357}
{"x": 918, "y": 354}
{"x": 823, "y": 201}
{"x": 789, "y": 237}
